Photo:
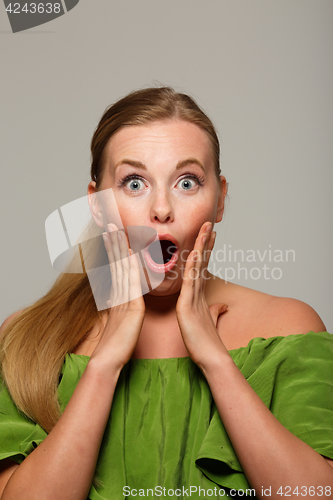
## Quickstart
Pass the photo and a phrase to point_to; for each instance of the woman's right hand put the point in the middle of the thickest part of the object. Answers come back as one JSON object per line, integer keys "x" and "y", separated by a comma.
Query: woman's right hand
{"x": 55, "y": 469}
{"x": 126, "y": 304}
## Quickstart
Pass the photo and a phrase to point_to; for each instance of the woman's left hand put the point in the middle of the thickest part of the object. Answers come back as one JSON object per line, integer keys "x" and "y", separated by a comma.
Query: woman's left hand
{"x": 196, "y": 320}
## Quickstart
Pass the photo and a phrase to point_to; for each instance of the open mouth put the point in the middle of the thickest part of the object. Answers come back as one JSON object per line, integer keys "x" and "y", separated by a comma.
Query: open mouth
{"x": 161, "y": 255}
{"x": 168, "y": 249}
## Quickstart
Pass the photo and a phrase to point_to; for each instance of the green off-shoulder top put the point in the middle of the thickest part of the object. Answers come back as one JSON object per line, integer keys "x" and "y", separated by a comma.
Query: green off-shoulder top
{"x": 164, "y": 436}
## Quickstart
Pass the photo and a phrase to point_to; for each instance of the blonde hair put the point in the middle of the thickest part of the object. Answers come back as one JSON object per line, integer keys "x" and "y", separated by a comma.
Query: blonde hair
{"x": 35, "y": 342}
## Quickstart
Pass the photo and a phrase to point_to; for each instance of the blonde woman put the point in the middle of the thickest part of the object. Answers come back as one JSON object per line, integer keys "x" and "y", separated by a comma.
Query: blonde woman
{"x": 199, "y": 388}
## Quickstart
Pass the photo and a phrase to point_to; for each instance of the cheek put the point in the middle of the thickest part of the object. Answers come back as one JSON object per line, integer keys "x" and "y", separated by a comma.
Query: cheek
{"x": 198, "y": 212}
{"x": 131, "y": 215}
{"x": 193, "y": 218}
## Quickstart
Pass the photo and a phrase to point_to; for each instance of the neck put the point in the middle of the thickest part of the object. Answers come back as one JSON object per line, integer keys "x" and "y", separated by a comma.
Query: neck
{"x": 161, "y": 304}
{"x": 164, "y": 304}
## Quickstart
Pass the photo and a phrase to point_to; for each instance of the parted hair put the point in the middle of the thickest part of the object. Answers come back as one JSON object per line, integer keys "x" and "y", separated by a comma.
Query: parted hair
{"x": 35, "y": 342}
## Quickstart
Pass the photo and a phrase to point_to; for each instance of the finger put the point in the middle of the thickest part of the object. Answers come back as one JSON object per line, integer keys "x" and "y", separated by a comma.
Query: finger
{"x": 108, "y": 247}
{"x": 200, "y": 266}
{"x": 203, "y": 239}
{"x": 124, "y": 254}
{"x": 109, "y": 251}
{"x": 127, "y": 240}
{"x": 115, "y": 237}
{"x": 208, "y": 239}
{"x": 135, "y": 289}
{"x": 191, "y": 283}
{"x": 113, "y": 231}
{"x": 197, "y": 273}
{"x": 115, "y": 267}
{"x": 208, "y": 252}
{"x": 187, "y": 290}
{"x": 216, "y": 310}
{"x": 206, "y": 246}
{"x": 205, "y": 228}
{"x": 193, "y": 267}
{"x": 123, "y": 267}
{"x": 123, "y": 245}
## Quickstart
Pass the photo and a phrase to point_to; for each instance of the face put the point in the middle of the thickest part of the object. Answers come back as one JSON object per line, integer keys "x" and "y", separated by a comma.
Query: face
{"x": 162, "y": 176}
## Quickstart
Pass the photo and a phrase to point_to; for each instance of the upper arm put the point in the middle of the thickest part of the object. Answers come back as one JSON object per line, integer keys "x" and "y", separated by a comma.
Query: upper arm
{"x": 297, "y": 317}
{"x": 7, "y": 468}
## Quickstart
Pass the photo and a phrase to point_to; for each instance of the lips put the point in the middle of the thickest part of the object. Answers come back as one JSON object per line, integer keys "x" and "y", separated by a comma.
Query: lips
{"x": 162, "y": 253}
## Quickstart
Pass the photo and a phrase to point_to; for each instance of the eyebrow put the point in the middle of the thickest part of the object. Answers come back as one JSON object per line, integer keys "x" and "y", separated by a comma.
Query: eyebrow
{"x": 180, "y": 164}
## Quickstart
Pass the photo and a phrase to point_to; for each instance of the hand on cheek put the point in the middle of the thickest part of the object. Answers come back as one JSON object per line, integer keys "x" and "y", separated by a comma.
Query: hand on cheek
{"x": 196, "y": 320}
{"x": 126, "y": 304}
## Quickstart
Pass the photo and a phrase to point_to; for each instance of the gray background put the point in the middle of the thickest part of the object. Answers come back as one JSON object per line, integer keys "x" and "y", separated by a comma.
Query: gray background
{"x": 261, "y": 70}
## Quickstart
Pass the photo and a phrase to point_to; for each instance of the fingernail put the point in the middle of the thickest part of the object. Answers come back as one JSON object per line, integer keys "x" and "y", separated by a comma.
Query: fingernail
{"x": 209, "y": 227}
{"x": 110, "y": 228}
{"x": 105, "y": 237}
{"x": 119, "y": 236}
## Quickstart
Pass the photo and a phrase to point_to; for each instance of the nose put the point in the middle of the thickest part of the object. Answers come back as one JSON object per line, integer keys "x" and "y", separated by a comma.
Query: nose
{"x": 161, "y": 208}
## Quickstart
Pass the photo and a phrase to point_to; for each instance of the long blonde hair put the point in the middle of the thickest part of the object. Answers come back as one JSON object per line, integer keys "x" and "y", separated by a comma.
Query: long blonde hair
{"x": 35, "y": 342}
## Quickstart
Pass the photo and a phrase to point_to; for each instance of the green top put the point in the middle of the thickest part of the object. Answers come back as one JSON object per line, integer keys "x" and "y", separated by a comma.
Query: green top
{"x": 164, "y": 429}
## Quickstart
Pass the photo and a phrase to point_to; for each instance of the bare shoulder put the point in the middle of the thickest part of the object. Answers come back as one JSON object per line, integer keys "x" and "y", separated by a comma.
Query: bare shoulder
{"x": 8, "y": 320}
{"x": 253, "y": 314}
{"x": 7, "y": 468}
{"x": 292, "y": 316}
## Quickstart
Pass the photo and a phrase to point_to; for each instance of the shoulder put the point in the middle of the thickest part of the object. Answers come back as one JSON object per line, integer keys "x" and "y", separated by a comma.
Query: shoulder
{"x": 9, "y": 320}
{"x": 253, "y": 314}
{"x": 291, "y": 317}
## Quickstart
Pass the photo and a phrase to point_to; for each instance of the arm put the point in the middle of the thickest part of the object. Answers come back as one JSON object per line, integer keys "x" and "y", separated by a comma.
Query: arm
{"x": 270, "y": 455}
{"x": 62, "y": 466}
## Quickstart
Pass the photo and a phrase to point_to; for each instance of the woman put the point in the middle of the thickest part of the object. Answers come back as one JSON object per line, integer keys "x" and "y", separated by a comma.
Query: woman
{"x": 186, "y": 367}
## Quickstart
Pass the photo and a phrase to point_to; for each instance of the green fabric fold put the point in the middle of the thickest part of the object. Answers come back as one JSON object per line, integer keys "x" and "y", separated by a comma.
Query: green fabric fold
{"x": 294, "y": 378}
{"x": 19, "y": 436}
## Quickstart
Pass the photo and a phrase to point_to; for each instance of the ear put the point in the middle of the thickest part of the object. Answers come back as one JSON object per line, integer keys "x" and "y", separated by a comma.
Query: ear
{"x": 223, "y": 189}
{"x": 95, "y": 208}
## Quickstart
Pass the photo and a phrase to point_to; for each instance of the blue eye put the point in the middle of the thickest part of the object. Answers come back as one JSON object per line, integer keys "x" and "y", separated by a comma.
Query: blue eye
{"x": 133, "y": 182}
{"x": 134, "y": 185}
{"x": 190, "y": 182}
{"x": 186, "y": 184}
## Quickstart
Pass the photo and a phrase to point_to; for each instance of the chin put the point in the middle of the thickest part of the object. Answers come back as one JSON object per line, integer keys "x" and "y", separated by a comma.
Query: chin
{"x": 168, "y": 286}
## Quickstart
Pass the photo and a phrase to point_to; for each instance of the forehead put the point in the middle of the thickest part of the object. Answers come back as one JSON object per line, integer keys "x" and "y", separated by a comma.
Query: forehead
{"x": 172, "y": 139}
